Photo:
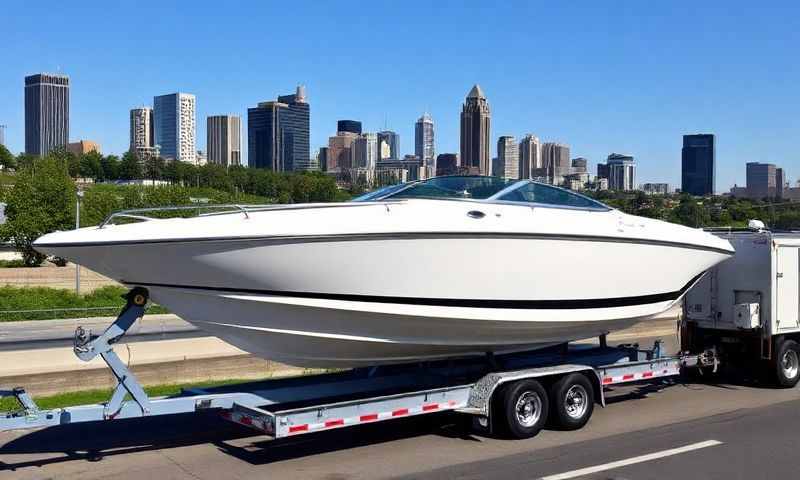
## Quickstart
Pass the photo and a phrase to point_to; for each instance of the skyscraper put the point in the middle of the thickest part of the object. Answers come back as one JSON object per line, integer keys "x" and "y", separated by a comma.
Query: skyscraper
{"x": 475, "y": 131}
{"x": 224, "y": 139}
{"x": 579, "y": 165}
{"x": 340, "y": 155}
{"x": 446, "y": 164}
{"x": 530, "y": 157}
{"x": 698, "y": 164}
{"x": 621, "y": 172}
{"x": 762, "y": 180}
{"x": 3, "y": 135}
{"x": 278, "y": 133}
{"x": 508, "y": 156}
{"x": 46, "y": 113}
{"x": 423, "y": 142}
{"x": 555, "y": 162}
{"x": 388, "y": 145}
{"x": 365, "y": 151}
{"x": 352, "y": 126}
{"x": 175, "y": 126}
{"x": 141, "y": 132}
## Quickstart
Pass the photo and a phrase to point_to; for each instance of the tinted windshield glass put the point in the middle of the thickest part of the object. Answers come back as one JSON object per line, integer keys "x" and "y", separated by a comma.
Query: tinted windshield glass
{"x": 369, "y": 196}
{"x": 478, "y": 188}
{"x": 545, "y": 194}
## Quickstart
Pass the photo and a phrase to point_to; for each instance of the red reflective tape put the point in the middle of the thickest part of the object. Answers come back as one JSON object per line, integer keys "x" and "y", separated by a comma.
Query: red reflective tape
{"x": 608, "y": 380}
{"x": 430, "y": 406}
{"x": 226, "y": 415}
{"x": 333, "y": 423}
{"x": 402, "y": 411}
{"x": 368, "y": 418}
{"x": 628, "y": 376}
{"x": 298, "y": 428}
{"x": 246, "y": 420}
{"x": 647, "y": 374}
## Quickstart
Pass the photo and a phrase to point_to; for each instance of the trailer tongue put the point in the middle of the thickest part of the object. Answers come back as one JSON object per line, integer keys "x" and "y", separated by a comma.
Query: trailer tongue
{"x": 514, "y": 393}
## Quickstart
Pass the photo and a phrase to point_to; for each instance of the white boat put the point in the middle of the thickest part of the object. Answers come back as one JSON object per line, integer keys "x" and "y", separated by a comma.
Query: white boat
{"x": 450, "y": 266}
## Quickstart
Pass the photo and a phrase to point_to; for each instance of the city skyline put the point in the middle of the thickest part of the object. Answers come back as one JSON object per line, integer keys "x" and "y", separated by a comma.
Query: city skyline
{"x": 710, "y": 76}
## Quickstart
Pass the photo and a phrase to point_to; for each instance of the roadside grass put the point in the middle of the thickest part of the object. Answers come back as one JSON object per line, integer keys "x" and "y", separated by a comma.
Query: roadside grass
{"x": 103, "y": 395}
{"x": 12, "y": 263}
{"x": 44, "y": 303}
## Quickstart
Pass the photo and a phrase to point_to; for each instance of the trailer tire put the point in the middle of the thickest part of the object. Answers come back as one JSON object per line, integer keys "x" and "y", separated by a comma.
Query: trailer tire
{"x": 524, "y": 408}
{"x": 571, "y": 402}
{"x": 786, "y": 366}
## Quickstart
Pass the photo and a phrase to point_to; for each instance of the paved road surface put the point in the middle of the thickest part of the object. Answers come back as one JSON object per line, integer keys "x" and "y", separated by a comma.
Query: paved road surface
{"x": 729, "y": 430}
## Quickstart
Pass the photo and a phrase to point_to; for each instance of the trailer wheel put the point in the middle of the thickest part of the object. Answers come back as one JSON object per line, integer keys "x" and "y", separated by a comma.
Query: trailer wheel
{"x": 787, "y": 364}
{"x": 525, "y": 408}
{"x": 571, "y": 401}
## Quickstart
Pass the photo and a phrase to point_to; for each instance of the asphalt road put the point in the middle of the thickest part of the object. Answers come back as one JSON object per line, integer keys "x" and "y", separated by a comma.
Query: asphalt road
{"x": 730, "y": 429}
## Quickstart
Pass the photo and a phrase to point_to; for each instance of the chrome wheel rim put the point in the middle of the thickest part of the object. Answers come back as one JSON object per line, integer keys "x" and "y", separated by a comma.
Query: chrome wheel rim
{"x": 790, "y": 363}
{"x": 528, "y": 409}
{"x": 576, "y": 401}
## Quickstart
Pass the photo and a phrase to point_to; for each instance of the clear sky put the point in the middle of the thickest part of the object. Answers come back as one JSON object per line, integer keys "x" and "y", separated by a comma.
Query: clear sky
{"x": 628, "y": 77}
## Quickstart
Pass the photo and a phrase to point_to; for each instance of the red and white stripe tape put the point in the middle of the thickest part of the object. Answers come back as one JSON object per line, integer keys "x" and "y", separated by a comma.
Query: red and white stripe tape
{"x": 646, "y": 375}
{"x": 372, "y": 417}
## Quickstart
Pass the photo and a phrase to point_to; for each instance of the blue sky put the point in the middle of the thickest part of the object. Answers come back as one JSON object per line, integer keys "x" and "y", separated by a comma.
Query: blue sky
{"x": 604, "y": 77}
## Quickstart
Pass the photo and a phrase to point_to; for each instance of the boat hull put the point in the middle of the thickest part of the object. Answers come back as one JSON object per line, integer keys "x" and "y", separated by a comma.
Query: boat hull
{"x": 349, "y": 301}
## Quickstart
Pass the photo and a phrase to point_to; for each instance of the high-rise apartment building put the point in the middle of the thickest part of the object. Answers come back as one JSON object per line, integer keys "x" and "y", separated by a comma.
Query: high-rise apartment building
{"x": 555, "y": 162}
{"x": 224, "y": 139}
{"x": 340, "y": 155}
{"x": 698, "y": 164}
{"x": 508, "y": 157}
{"x": 388, "y": 145}
{"x": 424, "y": 141}
{"x": 46, "y": 113}
{"x": 364, "y": 151}
{"x": 530, "y": 157}
{"x": 142, "y": 134}
{"x": 621, "y": 172}
{"x": 175, "y": 126}
{"x": 278, "y": 133}
{"x": 475, "y": 131}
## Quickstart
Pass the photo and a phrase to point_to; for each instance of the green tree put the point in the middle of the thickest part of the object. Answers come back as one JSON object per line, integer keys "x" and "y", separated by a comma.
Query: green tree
{"x": 129, "y": 167}
{"x": 42, "y": 201}
{"x": 109, "y": 167}
{"x": 154, "y": 168}
{"x": 7, "y": 160}
{"x": 90, "y": 165}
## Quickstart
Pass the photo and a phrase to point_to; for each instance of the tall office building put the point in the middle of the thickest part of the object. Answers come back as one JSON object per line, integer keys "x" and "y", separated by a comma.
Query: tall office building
{"x": 446, "y": 164}
{"x": 698, "y": 164}
{"x": 530, "y": 157}
{"x": 175, "y": 129}
{"x": 780, "y": 182}
{"x": 46, "y": 113}
{"x": 352, "y": 126}
{"x": 82, "y": 147}
{"x": 388, "y": 145}
{"x": 322, "y": 159}
{"x": 621, "y": 172}
{"x": 365, "y": 151}
{"x": 555, "y": 162}
{"x": 340, "y": 155}
{"x": 508, "y": 157}
{"x": 224, "y": 139}
{"x": 762, "y": 180}
{"x": 142, "y": 136}
{"x": 580, "y": 165}
{"x": 278, "y": 133}
{"x": 3, "y": 135}
{"x": 475, "y": 131}
{"x": 424, "y": 142}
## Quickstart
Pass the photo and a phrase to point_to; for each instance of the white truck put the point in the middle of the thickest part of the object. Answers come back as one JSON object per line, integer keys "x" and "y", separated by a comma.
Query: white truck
{"x": 746, "y": 308}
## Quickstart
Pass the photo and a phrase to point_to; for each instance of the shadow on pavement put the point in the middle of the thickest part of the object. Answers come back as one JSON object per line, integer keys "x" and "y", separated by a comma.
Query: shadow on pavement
{"x": 95, "y": 441}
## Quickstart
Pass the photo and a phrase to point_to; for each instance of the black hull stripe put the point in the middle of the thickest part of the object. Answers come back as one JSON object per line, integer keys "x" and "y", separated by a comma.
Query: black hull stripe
{"x": 451, "y": 302}
{"x": 351, "y": 237}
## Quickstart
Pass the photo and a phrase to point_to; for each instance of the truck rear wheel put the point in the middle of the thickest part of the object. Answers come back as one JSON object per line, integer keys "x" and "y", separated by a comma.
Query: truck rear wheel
{"x": 571, "y": 401}
{"x": 786, "y": 366}
{"x": 524, "y": 408}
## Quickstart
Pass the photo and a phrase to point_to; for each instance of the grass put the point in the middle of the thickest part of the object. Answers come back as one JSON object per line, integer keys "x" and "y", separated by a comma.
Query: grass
{"x": 44, "y": 303}
{"x": 12, "y": 263}
{"x": 103, "y": 395}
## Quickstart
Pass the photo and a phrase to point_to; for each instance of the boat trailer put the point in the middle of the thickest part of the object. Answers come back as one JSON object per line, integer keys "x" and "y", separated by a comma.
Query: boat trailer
{"x": 292, "y": 406}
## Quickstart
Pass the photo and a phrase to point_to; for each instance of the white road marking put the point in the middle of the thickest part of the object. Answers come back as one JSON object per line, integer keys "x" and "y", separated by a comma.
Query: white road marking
{"x": 633, "y": 460}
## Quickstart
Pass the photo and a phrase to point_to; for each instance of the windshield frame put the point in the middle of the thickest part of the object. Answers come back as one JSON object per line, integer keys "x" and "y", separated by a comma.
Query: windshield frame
{"x": 495, "y": 198}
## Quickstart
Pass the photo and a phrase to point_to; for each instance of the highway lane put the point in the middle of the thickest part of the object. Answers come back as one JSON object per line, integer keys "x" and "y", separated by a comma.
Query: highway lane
{"x": 753, "y": 422}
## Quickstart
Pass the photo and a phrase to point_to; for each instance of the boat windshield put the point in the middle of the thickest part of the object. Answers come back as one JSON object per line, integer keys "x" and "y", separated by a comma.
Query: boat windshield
{"x": 472, "y": 187}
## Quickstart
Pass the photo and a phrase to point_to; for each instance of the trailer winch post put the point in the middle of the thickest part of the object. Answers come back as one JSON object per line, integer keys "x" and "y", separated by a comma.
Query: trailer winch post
{"x": 87, "y": 348}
